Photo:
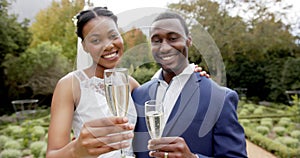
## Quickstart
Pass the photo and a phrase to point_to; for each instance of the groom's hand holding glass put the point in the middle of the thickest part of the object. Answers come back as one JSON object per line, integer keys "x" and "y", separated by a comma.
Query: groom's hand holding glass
{"x": 154, "y": 118}
{"x": 163, "y": 146}
{"x": 169, "y": 147}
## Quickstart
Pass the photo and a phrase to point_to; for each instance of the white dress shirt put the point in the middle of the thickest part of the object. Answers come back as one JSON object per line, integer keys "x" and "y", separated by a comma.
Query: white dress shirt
{"x": 168, "y": 93}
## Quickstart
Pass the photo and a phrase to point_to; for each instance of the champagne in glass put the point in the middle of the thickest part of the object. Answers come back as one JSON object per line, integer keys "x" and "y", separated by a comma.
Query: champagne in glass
{"x": 117, "y": 92}
{"x": 154, "y": 118}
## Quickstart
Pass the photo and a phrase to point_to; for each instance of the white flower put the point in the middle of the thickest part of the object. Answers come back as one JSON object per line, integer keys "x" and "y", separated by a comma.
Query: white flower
{"x": 74, "y": 19}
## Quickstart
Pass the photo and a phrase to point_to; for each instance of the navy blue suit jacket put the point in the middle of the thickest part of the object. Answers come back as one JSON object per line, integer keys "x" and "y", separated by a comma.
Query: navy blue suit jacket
{"x": 204, "y": 115}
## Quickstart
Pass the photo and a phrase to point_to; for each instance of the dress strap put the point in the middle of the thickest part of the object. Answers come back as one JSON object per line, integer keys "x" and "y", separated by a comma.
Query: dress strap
{"x": 80, "y": 75}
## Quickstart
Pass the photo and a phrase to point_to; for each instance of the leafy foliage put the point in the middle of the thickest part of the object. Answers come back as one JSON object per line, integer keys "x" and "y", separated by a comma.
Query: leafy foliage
{"x": 14, "y": 35}
{"x": 262, "y": 130}
{"x": 254, "y": 58}
{"x": 55, "y": 24}
{"x": 137, "y": 56}
{"x": 13, "y": 144}
{"x": 27, "y": 139}
{"x": 38, "y": 149}
{"x": 15, "y": 38}
{"x": 11, "y": 153}
{"x": 145, "y": 72}
{"x": 38, "y": 69}
{"x": 296, "y": 134}
{"x": 137, "y": 49}
{"x": 3, "y": 140}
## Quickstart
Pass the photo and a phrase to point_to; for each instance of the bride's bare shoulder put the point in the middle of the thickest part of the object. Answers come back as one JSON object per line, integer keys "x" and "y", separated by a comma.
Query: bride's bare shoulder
{"x": 133, "y": 83}
{"x": 68, "y": 80}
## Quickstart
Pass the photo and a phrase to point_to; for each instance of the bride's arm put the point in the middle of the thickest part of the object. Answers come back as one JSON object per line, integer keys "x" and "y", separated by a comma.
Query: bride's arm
{"x": 133, "y": 83}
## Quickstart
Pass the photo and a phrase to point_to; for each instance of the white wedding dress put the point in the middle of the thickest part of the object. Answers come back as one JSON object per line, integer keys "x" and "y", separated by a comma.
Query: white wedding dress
{"x": 93, "y": 105}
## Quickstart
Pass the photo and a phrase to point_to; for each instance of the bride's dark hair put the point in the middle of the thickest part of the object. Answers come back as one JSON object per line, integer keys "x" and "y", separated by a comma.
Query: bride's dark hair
{"x": 86, "y": 15}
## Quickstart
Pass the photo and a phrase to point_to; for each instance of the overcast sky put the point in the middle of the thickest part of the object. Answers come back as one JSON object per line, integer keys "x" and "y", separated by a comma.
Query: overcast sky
{"x": 121, "y": 6}
{"x": 29, "y": 8}
{"x": 118, "y": 6}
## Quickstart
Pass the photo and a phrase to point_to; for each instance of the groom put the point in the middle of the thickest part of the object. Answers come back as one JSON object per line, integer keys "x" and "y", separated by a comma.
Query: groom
{"x": 200, "y": 116}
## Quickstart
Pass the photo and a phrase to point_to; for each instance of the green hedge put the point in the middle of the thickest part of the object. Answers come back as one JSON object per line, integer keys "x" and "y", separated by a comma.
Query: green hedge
{"x": 274, "y": 147}
{"x": 26, "y": 138}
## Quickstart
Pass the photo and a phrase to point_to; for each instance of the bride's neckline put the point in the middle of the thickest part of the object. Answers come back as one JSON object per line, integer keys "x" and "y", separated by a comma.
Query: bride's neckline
{"x": 92, "y": 77}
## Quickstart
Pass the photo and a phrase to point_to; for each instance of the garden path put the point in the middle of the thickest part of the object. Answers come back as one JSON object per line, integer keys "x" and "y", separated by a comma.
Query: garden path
{"x": 255, "y": 151}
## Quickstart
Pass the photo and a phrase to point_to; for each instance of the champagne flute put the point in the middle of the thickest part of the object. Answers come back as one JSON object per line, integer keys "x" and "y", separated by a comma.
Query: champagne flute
{"x": 154, "y": 112}
{"x": 117, "y": 92}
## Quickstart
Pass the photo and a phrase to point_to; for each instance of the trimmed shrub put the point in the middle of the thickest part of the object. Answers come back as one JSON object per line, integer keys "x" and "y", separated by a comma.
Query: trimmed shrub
{"x": 244, "y": 122}
{"x": 262, "y": 130}
{"x": 38, "y": 132}
{"x": 26, "y": 152}
{"x": 21, "y": 141}
{"x": 258, "y": 111}
{"x": 11, "y": 153}
{"x": 275, "y": 147}
{"x": 244, "y": 112}
{"x": 37, "y": 147}
{"x": 267, "y": 123}
{"x": 279, "y": 140}
{"x": 266, "y": 119}
{"x": 295, "y": 134}
{"x": 284, "y": 121}
{"x": 12, "y": 144}
{"x": 288, "y": 141}
{"x": 3, "y": 140}
{"x": 35, "y": 122}
{"x": 280, "y": 131}
{"x": 281, "y": 112}
{"x": 43, "y": 152}
{"x": 250, "y": 107}
{"x": 14, "y": 131}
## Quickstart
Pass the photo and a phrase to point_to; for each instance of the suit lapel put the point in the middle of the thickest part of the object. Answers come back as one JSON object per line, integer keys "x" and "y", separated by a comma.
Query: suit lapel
{"x": 153, "y": 89}
{"x": 151, "y": 95}
{"x": 187, "y": 105}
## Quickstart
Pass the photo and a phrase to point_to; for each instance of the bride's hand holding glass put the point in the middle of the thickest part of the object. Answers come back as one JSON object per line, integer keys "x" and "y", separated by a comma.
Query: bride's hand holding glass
{"x": 95, "y": 136}
{"x": 117, "y": 94}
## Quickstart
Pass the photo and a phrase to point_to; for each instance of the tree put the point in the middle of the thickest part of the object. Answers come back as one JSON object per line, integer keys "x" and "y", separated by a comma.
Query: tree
{"x": 137, "y": 56}
{"x": 14, "y": 40}
{"x": 250, "y": 47}
{"x": 55, "y": 24}
{"x": 213, "y": 27}
{"x": 38, "y": 70}
{"x": 14, "y": 35}
{"x": 269, "y": 46}
{"x": 136, "y": 48}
